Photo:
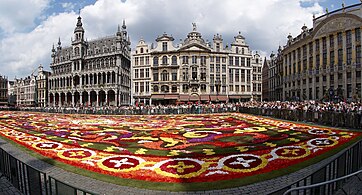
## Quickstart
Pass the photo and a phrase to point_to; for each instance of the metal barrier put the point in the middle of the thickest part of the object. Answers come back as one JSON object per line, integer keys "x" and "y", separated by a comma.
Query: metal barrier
{"x": 30, "y": 181}
{"x": 304, "y": 189}
{"x": 348, "y": 162}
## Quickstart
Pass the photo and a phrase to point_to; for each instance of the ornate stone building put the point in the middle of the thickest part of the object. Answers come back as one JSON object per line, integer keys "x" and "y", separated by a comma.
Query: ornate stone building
{"x": 32, "y": 90}
{"x": 324, "y": 62}
{"x": 265, "y": 79}
{"x": 42, "y": 87}
{"x": 3, "y": 91}
{"x": 25, "y": 91}
{"x": 93, "y": 72}
{"x": 195, "y": 71}
{"x": 273, "y": 77}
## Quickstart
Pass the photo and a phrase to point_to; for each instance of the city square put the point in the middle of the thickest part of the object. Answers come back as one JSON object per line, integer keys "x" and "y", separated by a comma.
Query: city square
{"x": 117, "y": 103}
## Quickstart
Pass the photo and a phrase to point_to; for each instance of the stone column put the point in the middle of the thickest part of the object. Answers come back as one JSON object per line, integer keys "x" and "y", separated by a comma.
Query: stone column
{"x": 89, "y": 99}
{"x": 97, "y": 104}
{"x": 73, "y": 100}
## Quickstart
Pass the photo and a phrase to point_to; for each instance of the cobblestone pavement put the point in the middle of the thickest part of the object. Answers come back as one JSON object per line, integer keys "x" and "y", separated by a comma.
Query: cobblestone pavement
{"x": 101, "y": 187}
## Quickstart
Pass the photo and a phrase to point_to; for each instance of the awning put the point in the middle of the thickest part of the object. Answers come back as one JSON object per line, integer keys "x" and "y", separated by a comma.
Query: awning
{"x": 157, "y": 97}
{"x": 171, "y": 97}
{"x": 234, "y": 96}
{"x": 194, "y": 98}
{"x": 223, "y": 98}
{"x": 204, "y": 97}
{"x": 213, "y": 97}
{"x": 184, "y": 98}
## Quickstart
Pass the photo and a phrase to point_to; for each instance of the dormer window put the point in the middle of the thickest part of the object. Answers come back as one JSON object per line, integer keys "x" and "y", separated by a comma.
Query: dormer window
{"x": 141, "y": 50}
{"x": 164, "y": 46}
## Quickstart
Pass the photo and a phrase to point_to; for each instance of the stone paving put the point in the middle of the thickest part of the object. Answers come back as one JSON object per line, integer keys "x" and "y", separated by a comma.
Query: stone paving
{"x": 100, "y": 187}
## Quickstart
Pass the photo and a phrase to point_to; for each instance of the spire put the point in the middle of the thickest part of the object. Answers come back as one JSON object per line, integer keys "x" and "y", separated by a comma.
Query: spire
{"x": 79, "y": 26}
{"x": 53, "y": 49}
{"x": 119, "y": 33}
{"x": 124, "y": 25}
{"x": 59, "y": 43}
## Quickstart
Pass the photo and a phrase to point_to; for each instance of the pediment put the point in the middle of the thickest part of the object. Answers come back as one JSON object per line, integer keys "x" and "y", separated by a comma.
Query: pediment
{"x": 194, "y": 47}
{"x": 337, "y": 24}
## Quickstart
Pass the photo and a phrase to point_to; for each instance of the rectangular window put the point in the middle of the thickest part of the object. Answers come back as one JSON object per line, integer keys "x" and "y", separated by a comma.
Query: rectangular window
{"x": 349, "y": 38}
{"x": 136, "y": 87}
{"x": 349, "y": 55}
{"x": 174, "y": 76}
{"x": 242, "y": 61}
{"x": 217, "y": 68}
{"x": 223, "y": 59}
{"x": 194, "y": 59}
{"x": 212, "y": 68}
{"x": 331, "y": 41}
{"x": 340, "y": 57}
{"x": 185, "y": 59}
{"x": 358, "y": 54}
{"x": 136, "y": 61}
{"x": 231, "y": 61}
{"x": 212, "y": 79}
{"x": 142, "y": 61}
{"x": 242, "y": 75}
{"x": 339, "y": 39}
{"x": 248, "y": 62}
{"x": 331, "y": 58}
{"x": 237, "y": 88}
{"x": 147, "y": 72}
{"x": 231, "y": 88}
{"x": 155, "y": 76}
{"x": 147, "y": 87}
{"x": 142, "y": 87}
{"x": 224, "y": 68}
{"x": 231, "y": 75}
{"x": 136, "y": 73}
{"x": 358, "y": 34}
{"x": 147, "y": 60}
{"x": 324, "y": 60}
{"x": 248, "y": 79}
{"x": 142, "y": 73}
{"x": 203, "y": 60}
{"x": 217, "y": 59}
{"x": 237, "y": 61}
{"x": 237, "y": 76}
{"x": 164, "y": 46}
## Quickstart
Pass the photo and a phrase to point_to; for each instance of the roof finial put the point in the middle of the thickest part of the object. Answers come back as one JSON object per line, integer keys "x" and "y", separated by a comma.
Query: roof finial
{"x": 59, "y": 43}
{"x": 79, "y": 11}
{"x": 194, "y": 26}
{"x": 124, "y": 25}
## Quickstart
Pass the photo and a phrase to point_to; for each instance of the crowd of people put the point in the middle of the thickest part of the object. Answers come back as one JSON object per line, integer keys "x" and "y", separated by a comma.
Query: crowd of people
{"x": 341, "y": 114}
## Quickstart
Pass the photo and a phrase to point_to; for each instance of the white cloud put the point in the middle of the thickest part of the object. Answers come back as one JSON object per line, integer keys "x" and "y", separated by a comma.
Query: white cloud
{"x": 68, "y": 6}
{"x": 265, "y": 24}
{"x": 19, "y": 15}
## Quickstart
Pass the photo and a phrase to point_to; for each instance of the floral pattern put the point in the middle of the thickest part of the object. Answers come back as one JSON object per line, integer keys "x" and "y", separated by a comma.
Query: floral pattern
{"x": 171, "y": 148}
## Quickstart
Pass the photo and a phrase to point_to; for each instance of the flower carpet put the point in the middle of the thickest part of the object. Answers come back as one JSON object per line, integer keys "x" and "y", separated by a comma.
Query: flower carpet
{"x": 171, "y": 148}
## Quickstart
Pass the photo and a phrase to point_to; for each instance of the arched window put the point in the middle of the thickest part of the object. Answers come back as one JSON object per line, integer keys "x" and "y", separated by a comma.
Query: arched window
{"x": 165, "y": 89}
{"x": 237, "y": 50}
{"x": 155, "y": 88}
{"x": 141, "y": 50}
{"x": 155, "y": 61}
{"x": 164, "y": 60}
{"x": 164, "y": 75}
{"x": 174, "y": 60}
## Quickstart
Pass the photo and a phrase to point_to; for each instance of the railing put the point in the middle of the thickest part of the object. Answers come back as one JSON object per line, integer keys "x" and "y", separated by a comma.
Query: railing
{"x": 28, "y": 180}
{"x": 349, "y": 161}
{"x": 321, "y": 185}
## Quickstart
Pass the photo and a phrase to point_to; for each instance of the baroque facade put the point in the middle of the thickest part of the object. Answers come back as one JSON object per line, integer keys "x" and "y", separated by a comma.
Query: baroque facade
{"x": 195, "y": 71}
{"x": 324, "y": 62}
{"x": 91, "y": 73}
{"x": 30, "y": 91}
{"x": 273, "y": 77}
{"x": 3, "y": 91}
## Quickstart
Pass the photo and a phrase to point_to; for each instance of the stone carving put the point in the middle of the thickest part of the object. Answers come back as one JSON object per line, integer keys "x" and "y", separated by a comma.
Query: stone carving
{"x": 338, "y": 24}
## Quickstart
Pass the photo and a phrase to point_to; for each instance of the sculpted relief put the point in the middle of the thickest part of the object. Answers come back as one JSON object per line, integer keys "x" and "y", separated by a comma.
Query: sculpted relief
{"x": 338, "y": 24}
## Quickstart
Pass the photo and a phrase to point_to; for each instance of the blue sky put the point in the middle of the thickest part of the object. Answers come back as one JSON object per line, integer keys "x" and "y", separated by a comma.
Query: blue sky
{"x": 28, "y": 28}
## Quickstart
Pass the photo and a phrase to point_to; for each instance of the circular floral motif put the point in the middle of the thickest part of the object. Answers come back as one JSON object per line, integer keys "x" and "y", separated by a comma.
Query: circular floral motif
{"x": 76, "y": 154}
{"x": 242, "y": 163}
{"x": 181, "y": 167}
{"x": 322, "y": 142}
{"x": 47, "y": 145}
{"x": 290, "y": 152}
{"x": 14, "y": 133}
{"x": 121, "y": 163}
{"x": 28, "y": 139}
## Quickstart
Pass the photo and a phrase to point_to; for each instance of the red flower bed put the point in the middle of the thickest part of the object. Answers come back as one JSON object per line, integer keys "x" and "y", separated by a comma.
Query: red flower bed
{"x": 172, "y": 148}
